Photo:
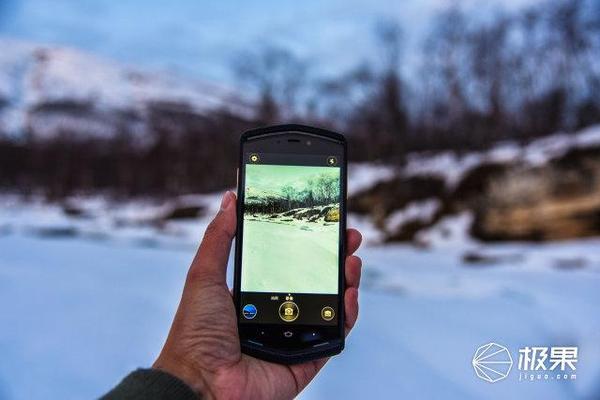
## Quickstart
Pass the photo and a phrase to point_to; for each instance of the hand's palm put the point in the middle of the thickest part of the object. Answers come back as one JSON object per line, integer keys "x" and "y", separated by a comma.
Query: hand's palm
{"x": 259, "y": 379}
{"x": 214, "y": 348}
{"x": 203, "y": 346}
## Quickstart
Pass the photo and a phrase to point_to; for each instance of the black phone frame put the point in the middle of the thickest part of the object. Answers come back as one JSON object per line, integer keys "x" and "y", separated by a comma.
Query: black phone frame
{"x": 250, "y": 343}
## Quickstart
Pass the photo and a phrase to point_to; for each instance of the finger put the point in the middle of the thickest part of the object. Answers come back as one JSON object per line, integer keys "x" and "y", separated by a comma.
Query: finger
{"x": 351, "y": 308}
{"x": 353, "y": 270}
{"x": 210, "y": 261}
{"x": 353, "y": 240}
{"x": 305, "y": 372}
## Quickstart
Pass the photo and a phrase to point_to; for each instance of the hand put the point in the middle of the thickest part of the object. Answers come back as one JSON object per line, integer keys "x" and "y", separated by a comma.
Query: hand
{"x": 203, "y": 347}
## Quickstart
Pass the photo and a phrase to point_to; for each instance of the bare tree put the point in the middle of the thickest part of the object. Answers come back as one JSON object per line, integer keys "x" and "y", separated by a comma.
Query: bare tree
{"x": 276, "y": 75}
{"x": 394, "y": 116}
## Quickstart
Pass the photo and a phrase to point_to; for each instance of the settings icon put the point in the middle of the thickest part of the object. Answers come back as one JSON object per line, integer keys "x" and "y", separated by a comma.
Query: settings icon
{"x": 492, "y": 362}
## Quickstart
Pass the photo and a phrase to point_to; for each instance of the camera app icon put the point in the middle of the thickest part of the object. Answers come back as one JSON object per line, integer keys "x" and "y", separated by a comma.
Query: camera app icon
{"x": 288, "y": 311}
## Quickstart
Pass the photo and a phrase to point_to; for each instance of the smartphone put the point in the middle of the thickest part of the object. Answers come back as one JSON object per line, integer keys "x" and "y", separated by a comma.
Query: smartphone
{"x": 290, "y": 243}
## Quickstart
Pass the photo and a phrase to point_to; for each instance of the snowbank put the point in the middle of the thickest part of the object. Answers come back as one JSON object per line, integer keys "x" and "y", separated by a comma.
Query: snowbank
{"x": 453, "y": 167}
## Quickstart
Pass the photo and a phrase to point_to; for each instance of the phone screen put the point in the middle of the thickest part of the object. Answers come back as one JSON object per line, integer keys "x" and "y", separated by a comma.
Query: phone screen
{"x": 291, "y": 239}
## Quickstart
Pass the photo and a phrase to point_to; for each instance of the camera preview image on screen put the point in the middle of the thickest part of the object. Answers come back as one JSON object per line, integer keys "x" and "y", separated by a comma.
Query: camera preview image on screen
{"x": 291, "y": 229}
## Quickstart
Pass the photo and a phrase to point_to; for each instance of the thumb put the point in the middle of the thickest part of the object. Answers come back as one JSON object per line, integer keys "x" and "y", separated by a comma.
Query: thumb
{"x": 210, "y": 261}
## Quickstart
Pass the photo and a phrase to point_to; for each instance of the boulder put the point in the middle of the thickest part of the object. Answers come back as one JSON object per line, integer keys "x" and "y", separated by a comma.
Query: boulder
{"x": 324, "y": 211}
{"x": 560, "y": 200}
{"x": 183, "y": 212}
{"x": 333, "y": 215}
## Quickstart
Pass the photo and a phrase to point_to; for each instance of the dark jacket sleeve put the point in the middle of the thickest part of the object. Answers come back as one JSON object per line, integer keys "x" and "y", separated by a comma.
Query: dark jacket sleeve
{"x": 151, "y": 384}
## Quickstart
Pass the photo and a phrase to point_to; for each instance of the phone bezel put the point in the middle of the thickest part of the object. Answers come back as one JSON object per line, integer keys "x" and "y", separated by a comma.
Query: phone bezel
{"x": 277, "y": 348}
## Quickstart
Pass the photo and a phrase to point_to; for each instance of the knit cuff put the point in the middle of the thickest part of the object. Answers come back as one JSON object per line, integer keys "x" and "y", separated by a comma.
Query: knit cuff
{"x": 151, "y": 384}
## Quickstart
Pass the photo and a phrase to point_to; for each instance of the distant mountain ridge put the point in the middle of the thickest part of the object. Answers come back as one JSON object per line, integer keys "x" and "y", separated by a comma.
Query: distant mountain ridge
{"x": 49, "y": 90}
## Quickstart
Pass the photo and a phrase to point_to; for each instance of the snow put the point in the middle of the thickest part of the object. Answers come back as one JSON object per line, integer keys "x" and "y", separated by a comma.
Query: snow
{"x": 423, "y": 315}
{"x": 137, "y": 222}
{"x": 415, "y": 211}
{"x": 452, "y": 166}
{"x": 588, "y": 137}
{"x": 93, "y": 296}
{"x": 270, "y": 241}
{"x": 31, "y": 75}
{"x": 450, "y": 231}
{"x": 447, "y": 165}
{"x": 93, "y": 309}
{"x": 362, "y": 176}
{"x": 77, "y": 313}
{"x": 371, "y": 234}
{"x": 96, "y": 310}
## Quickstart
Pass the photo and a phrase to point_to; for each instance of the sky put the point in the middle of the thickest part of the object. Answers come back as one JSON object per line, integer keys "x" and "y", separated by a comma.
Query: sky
{"x": 271, "y": 178}
{"x": 202, "y": 38}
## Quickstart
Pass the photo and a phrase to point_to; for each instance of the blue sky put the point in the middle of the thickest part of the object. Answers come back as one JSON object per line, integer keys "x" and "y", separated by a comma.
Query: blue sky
{"x": 200, "y": 38}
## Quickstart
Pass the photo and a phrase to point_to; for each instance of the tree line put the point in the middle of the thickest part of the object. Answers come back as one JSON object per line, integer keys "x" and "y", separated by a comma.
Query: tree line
{"x": 516, "y": 75}
{"x": 321, "y": 190}
{"x": 477, "y": 80}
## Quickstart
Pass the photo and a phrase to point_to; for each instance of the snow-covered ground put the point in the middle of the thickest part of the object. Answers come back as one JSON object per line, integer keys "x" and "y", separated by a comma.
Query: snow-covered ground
{"x": 275, "y": 256}
{"x": 88, "y": 291}
{"x": 83, "y": 306}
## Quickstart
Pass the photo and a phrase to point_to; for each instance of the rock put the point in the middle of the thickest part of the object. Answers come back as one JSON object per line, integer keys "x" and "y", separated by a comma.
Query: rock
{"x": 560, "y": 200}
{"x": 308, "y": 213}
{"x": 479, "y": 258}
{"x": 73, "y": 210}
{"x": 325, "y": 210}
{"x": 570, "y": 263}
{"x": 333, "y": 215}
{"x": 407, "y": 231}
{"x": 184, "y": 212}
{"x": 388, "y": 196}
{"x": 56, "y": 232}
{"x": 475, "y": 182}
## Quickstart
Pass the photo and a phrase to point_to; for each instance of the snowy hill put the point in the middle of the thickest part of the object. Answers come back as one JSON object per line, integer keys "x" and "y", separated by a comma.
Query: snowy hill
{"x": 50, "y": 90}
